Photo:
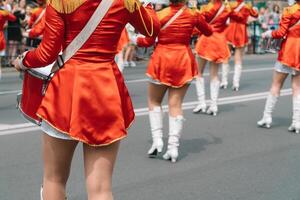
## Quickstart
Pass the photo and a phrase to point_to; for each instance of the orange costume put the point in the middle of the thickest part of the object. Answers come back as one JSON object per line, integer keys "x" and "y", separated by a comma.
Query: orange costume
{"x": 173, "y": 62}
{"x": 4, "y": 17}
{"x": 36, "y": 21}
{"x": 124, "y": 40}
{"x": 236, "y": 32}
{"x": 87, "y": 99}
{"x": 289, "y": 29}
{"x": 215, "y": 48}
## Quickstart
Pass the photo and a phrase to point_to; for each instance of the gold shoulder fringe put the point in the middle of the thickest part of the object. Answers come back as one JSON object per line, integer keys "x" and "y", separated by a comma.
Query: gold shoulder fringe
{"x": 233, "y": 4}
{"x": 249, "y": 5}
{"x": 206, "y": 8}
{"x": 163, "y": 13}
{"x": 132, "y": 5}
{"x": 4, "y": 12}
{"x": 65, "y": 6}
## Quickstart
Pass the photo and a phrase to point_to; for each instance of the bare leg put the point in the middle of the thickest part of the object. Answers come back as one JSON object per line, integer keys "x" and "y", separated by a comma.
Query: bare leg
{"x": 295, "y": 126}
{"x": 57, "y": 155}
{"x": 98, "y": 165}
{"x": 277, "y": 83}
{"x": 214, "y": 89}
{"x": 176, "y": 96}
{"x": 238, "y": 60}
{"x": 200, "y": 87}
{"x": 155, "y": 96}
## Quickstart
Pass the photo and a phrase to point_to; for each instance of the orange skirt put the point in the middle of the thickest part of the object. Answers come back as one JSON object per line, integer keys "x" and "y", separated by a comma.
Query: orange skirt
{"x": 213, "y": 48}
{"x": 237, "y": 35}
{"x": 2, "y": 41}
{"x": 289, "y": 53}
{"x": 173, "y": 65}
{"x": 88, "y": 102}
{"x": 124, "y": 40}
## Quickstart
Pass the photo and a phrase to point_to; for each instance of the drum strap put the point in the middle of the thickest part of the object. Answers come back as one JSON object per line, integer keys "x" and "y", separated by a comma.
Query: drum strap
{"x": 39, "y": 17}
{"x": 239, "y": 8}
{"x": 177, "y": 14}
{"x": 218, "y": 14}
{"x": 84, "y": 35}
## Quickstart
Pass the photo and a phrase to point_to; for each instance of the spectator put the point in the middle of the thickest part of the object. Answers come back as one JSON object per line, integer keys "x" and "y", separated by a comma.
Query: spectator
{"x": 129, "y": 53}
{"x": 14, "y": 32}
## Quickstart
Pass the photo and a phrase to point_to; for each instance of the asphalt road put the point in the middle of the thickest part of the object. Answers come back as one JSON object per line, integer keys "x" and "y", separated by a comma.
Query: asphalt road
{"x": 221, "y": 158}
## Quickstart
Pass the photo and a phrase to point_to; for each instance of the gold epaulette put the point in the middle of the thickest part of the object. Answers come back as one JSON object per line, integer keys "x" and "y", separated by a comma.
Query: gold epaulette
{"x": 233, "y": 4}
{"x": 132, "y": 5}
{"x": 291, "y": 9}
{"x": 65, "y": 6}
{"x": 4, "y": 12}
{"x": 206, "y": 8}
{"x": 193, "y": 11}
{"x": 163, "y": 13}
{"x": 249, "y": 5}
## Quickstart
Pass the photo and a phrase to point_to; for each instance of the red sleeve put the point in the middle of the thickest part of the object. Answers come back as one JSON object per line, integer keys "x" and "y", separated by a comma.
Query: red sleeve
{"x": 211, "y": 13}
{"x": 145, "y": 42}
{"x": 38, "y": 30}
{"x": 203, "y": 26}
{"x": 51, "y": 45}
{"x": 32, "y": 19}
{"x": 144, "y": 19}
{"x": 283, "y": 28}
{"x": 253, "y": 12}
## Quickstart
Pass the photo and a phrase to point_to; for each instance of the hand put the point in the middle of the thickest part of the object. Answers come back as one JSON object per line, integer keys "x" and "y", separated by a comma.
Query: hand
{"x": 16, "y": 64}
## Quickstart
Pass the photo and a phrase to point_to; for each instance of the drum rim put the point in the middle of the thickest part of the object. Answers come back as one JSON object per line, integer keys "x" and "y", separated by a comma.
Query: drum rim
{"x": 38, "y": 75}
{"x": 27, "y": 117}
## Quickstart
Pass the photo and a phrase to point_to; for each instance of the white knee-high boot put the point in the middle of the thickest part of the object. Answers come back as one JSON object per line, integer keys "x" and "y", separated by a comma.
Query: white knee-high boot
{"x": 225, "y": 71}
{"x": 200, "y": 88}
{"x": 266, "y": 121}
{"x": 41, "y": 193}
{"x": 175, "y": 130}
{"x": 237, "y": 77}
{"x": 295, "y": 126}
{"x": 156, "y": 124}
{"x": 214, "y": 95}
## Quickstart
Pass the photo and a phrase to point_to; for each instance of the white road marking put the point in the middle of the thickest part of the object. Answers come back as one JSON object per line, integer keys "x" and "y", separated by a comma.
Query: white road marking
{"x": 27, "y": 127}
{"x": 207, "y": 74}
{"x": 10, "y": 92}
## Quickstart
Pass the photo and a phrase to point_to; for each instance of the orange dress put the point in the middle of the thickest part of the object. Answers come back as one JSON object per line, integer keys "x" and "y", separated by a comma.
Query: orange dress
{"x": 87, "y": 99}
{"x": 215, "y": 48}
{"x": 4, "y": 17}
{"x": 35, "y": 13}
{"x": 236, "y": 32}
{"x": 124, "y": 40}
{"x": 289, "y": 29}
{"x": 173, "y": 63}
{"x": 38, "y": 29}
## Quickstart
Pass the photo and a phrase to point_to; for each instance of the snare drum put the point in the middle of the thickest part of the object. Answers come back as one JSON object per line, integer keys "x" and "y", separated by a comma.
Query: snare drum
{"x": 35, "y": 83}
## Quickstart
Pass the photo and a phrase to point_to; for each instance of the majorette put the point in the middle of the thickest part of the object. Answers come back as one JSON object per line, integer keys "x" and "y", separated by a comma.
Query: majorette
{"x": 86, "y": 100}
{"x": 237, "y": 37}
{"x": 171, "y": 68}
{"x": 288, "y": 63}
{"x": 213, "y": 49}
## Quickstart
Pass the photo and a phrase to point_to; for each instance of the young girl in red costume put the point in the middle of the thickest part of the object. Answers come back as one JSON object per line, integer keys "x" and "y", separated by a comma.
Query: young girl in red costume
{"x": 77, "y": 106}
{"x": 288, "y": 63}
{"x": 237, "y": 36}
{"x": 213, "y": 49}
{"x": 171, "y": 68}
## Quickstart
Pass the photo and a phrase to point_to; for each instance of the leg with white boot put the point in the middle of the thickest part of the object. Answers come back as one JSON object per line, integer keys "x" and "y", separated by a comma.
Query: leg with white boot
{"x": 277, "y": 83}
{"x": 214, "y": 89}
{"x": 238, "y": 66}
{"x": 156, "y": 124}
{"x": 176, "y": 96}
{"x": 225, "y": 72}
{"x": 295, "y": 126}
{"x": 155, "y": 96}
{"x": 200, "y": 88}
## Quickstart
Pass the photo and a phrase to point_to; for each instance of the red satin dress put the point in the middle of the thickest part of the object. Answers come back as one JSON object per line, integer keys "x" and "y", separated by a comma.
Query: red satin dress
{"x": 124, "y": 40}
{"x": 289, "y": 29}
{"x": 236, "y": 32}
{"x": 4, "y": 17}
{"x": 87, "y": 99}
{"x": 173, "y": 63}
{"x": 215, "y": 48}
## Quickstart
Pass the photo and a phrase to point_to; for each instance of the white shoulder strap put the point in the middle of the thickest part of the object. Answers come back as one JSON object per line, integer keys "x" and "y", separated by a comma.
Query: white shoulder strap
{"x": 218, "y": 14}
{"x": 239, "y": 8}
{"x": 179, "y": 12}
{"x": 39, "y": 17}
{"x": 88, "y": 30}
